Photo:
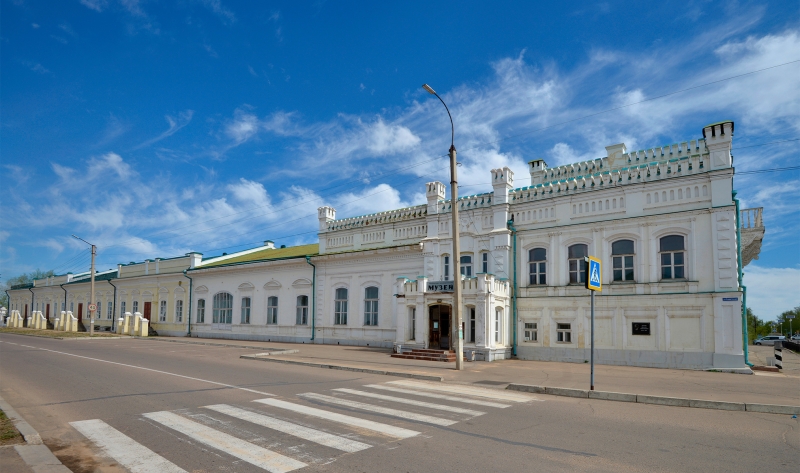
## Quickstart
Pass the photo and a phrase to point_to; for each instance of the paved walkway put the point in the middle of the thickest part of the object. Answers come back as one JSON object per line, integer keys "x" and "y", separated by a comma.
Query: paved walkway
{"x": 767, "y": 388}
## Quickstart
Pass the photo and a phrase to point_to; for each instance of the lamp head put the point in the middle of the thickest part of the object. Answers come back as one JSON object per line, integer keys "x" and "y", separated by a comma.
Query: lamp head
{"x": 429, "y": 89}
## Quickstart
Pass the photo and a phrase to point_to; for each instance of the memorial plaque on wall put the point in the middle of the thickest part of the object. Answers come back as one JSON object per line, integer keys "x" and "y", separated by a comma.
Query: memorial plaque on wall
{"x": 641, "y": 328}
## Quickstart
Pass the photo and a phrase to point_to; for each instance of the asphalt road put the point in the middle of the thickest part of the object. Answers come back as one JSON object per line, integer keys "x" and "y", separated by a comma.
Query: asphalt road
{"x": 102, "y": 404}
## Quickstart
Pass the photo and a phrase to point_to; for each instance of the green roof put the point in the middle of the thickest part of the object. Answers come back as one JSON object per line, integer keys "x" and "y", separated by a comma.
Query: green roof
{"x": 265, "y": 254}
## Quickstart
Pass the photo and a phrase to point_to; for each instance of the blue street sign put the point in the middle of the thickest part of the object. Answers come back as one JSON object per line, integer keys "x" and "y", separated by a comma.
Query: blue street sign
{"x": 593, "y": 274}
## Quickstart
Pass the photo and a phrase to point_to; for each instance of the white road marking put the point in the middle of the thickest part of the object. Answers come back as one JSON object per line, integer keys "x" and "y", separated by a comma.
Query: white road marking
{"x": 148, "y": 369}
{"x": 403, "y": 400}
{"x": 443, "y": 397}
{"x": 466, "y": 390}
{"x": 341, "y": 418}
{"x": 306, "y": 433}
{"x": 381, "y": 410}
{"x": 251, "y": 453}
{"x": 124, "y": 450}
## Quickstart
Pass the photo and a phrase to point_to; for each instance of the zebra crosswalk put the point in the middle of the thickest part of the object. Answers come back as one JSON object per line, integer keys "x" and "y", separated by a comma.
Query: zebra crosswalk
{"x": 283, "y": 435}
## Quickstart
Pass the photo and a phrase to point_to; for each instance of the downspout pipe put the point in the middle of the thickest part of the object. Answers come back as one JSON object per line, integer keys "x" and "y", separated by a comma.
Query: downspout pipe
{"x": 189, "y": 313}
{"x": 510, "y": 224}
{"x": 8, "y": 303}
{"x": 745, "y": 337}
{"x": 313, "y": 298}
{"x": 33, "y": 300}
{"x": 65, "y": 297}
{"x": 113, "y": 308}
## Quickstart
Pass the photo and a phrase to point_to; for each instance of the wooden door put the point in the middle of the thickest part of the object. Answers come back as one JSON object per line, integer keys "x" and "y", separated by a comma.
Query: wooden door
{"x": 147, "y": 307}
{"x": 80, "y": 312}
{"x": 47, "y": 311}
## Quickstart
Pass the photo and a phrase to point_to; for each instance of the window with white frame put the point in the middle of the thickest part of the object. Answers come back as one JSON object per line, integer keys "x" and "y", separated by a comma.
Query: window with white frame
{"x": 564, "y": 333}
{"x": 471, "y": 325}
{"x": 673, "y": 255}
{"x": 179, "y": 311}
{"x": 371, "y": 306}
{"x": 622, "y": 252}
{"x": 531, "y": 332}
{"x": 162, "y": 311}
{"x": 577, "y": 266}
{"x": 222, "y": 311}
{"x": 272, "y": 310}
{"x": 99, "y": 306}
{"x": 537, "y": 266}
{"x": 135, "y": 307}
{"x": 412, "y": 323}
{"x": 122, "y": 309}
{"x": 245, "y": 310}
{"x": 302, "y": 310}
{"x": 72, "y": 307}
{"x": 485, "y": 262}
{"x": 110, "y": 310}
{"x": 466, "y": 265}
{"x": 340, "y": 307}
{"x": 201, "y": 311}
{"x": 446, "y": 262}
{"x": 498, "y": 315}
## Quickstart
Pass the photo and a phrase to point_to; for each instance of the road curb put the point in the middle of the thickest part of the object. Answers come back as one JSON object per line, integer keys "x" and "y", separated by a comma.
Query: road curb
{"x": 34, "y": 453}
{"x": 249, "y": 347}
{"x": 658, "y": 400}
{"x": 345, "y": 368}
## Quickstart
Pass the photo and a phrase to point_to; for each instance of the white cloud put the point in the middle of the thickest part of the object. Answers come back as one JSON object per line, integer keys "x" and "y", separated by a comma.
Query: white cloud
{"x": 175, "y": 124}
{"x": 223, "y": 13}
{"x": 96, "y": 5}
{"x": 243, "y": 127}
{"x": 36, "y": 67}
{"x": 771, "y": 291}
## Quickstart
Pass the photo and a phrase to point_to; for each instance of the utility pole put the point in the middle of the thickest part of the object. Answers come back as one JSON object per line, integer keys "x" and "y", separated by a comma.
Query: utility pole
{"x": 456, "y": 320}
{"x": 92, "y": 305}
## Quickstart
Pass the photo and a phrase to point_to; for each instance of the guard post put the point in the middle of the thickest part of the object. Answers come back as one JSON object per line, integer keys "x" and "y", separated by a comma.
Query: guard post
{"x": 778, "y": 347}
{"x": 593, "y": 284}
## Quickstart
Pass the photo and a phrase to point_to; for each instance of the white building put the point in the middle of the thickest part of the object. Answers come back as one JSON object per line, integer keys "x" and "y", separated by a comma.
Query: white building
{"x": 664, "y": 222}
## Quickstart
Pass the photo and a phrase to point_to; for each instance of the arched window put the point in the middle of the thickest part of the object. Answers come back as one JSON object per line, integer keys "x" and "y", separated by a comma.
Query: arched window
{"x": 302, "y": 310}
{"x": 577, "y": 267}
{"x": 135, "y": 306}
{"x": 245, "y": 310}
{"x": 371, "y": 306}
{"x": 179, "y": 311}
{"x": 498, "y": 317}
{"x": 622, "y": 260}
{"x": 340, "y": 307}
{"x": 223, "y": 308}
{"x": 537, "y": 263}
{"x": 121, "y": 308}
{"x": 466, "y": 266}
{"x": 272, "y": 310}
{"x": 673, "y": 254}
{"x": 201, "y": 311}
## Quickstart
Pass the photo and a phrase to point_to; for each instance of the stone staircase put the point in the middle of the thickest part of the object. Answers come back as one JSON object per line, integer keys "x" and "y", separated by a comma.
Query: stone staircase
{"x": 427, "y": 354}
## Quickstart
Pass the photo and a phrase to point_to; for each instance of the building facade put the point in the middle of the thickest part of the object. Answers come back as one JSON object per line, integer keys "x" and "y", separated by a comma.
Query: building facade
{"x": 664, "y": 221}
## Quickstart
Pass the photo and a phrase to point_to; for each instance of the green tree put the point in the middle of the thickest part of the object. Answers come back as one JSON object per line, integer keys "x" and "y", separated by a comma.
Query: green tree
{"x": 756, "y": 327}
{"x": 24, "y": 278}
{"x": 782, "y": 324}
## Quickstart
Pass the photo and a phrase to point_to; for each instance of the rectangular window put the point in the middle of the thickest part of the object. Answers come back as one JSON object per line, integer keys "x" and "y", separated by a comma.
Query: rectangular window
{"x": 577, "y": 266}
{"x": 162, "y": 311}
{"x": 371, "y": 306}
{"x": 272, "y": 310}
{"x": 672, "y": 251}
{"x": 201, "y": 311}
{"x": 245, "y": 310}
{"x": 99, "y": 310}
{"x": 466, "y": 266}
{"x": 135, "y": 307}
{"x": 531, "y": 332}
{"x": 537, "y": 265}
{"x": 122, "y": 309}
{"x": 63, "y": 306}
{"x": 71, "y": 307}
{"x": 564, "y": 333}
{"x": 622, "y": 260}
{"x": 179, "y": 311}
{"x": 497, "y": 315}
{"x": 110, "y": 311}
{"x": 302, "y": 310}
{"x": 340, "y": 307}
{"x": 472, "y": 325}
{"x": 446, "y": 268}
{"x": 412, "y": 323}
{"x": 485, "y": 262}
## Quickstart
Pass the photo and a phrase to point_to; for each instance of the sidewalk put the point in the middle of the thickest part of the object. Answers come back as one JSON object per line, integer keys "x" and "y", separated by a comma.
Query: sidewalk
{"x": 766, "y": 388}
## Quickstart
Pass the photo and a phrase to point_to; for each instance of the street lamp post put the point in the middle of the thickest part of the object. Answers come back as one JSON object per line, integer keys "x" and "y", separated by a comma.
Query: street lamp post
{"x": 91, "y": 290}
{"x": 456, "y": 332}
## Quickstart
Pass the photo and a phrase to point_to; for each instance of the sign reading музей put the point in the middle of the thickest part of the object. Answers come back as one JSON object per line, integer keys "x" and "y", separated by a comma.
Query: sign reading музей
{"x": 439, "y": 286}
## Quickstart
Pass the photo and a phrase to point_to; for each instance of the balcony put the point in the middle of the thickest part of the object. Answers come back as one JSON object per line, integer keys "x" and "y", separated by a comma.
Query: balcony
{"x": 752, "y": 228}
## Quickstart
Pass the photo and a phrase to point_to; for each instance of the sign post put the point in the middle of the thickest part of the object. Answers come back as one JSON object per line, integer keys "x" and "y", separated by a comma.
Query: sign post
{"x": 594, "y": 284}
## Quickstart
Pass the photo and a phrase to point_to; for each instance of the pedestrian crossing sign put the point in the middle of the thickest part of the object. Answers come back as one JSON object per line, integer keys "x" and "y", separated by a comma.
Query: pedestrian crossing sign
{"x": 593, "y": 274}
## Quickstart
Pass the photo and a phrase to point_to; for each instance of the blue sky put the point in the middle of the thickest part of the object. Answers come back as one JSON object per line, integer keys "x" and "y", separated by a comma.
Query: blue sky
{"x": 156, "y": 128}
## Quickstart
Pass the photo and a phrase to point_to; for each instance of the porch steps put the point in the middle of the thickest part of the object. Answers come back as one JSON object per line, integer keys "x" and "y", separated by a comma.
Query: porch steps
{"x": 427, "y": 354}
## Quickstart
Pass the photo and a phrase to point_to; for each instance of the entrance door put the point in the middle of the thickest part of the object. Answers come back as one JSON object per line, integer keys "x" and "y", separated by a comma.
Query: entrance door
{"x": 80, "y": 312}
{"x": 439, "y": 327}
{"x": 47, "y": 312}
{"x": 147, "y": 307}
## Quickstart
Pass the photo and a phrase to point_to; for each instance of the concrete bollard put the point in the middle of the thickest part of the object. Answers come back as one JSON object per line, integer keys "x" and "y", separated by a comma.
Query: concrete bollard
{"x": 779, "y": 355}
{"x": 62, "y": 321}
{"x": 143, "y": 327}
{"x": 120, "y": 326}
{"x": 135, "y": 322}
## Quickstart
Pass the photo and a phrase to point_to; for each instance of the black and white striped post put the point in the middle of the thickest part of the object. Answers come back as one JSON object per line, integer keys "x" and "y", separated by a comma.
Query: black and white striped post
{"x": 779, "y": 355}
